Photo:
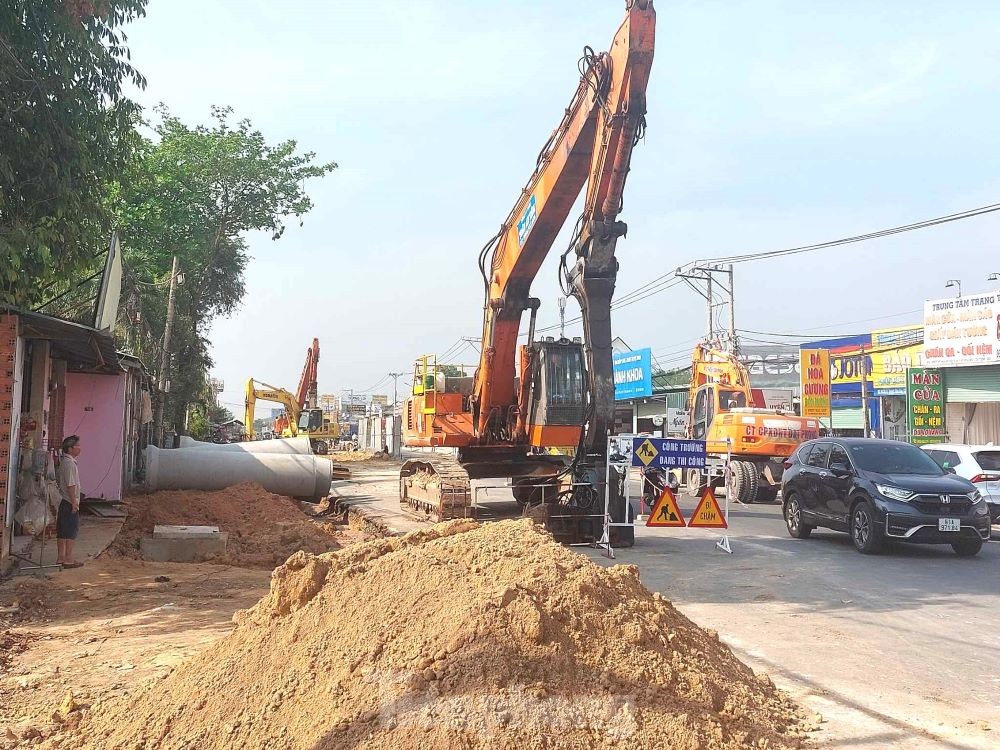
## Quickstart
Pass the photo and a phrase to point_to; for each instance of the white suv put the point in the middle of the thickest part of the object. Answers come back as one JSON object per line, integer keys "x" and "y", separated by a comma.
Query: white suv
{"x": 980, "y": 464}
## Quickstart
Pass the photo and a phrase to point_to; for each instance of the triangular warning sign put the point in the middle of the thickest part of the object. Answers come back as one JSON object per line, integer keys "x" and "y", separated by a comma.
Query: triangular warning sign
{"x": 708, "y": 514}
{"x": 665, "y": 511}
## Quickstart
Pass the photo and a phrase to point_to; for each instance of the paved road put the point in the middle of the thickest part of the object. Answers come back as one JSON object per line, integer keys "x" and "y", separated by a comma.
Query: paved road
{"x": 894, "y": 651}
{"x": 901, "y": 650}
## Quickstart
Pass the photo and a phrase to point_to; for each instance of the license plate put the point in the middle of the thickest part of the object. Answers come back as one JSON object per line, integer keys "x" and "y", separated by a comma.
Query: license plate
{"x": 949, "y": 524}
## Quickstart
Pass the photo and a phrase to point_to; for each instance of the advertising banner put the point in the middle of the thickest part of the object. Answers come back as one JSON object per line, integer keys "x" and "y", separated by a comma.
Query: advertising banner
{"x": 962, "y": 331}
{"x": 815, "y": 367}
{"x": 633, "y": 374}
{"x": 925, "y": 406}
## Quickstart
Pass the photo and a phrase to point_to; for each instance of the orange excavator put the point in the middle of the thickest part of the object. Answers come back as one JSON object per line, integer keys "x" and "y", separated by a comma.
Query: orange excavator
{"x": 500, "y": 419}
{"x": 723, "y": 414}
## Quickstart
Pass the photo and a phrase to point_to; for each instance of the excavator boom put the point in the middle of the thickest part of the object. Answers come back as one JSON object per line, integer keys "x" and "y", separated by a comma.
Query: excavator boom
{"x": 564, "y": 394}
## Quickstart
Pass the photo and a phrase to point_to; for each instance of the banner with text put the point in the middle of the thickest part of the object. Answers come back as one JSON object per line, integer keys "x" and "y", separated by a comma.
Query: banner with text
{"x": 962, "y": 331}
{"x": 633, "y": 374}
{"x": 925, "y": 406}
{"x": 815, "y": 367}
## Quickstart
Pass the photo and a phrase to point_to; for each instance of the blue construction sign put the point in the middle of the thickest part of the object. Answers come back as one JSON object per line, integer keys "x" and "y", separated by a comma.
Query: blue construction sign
{"x": 667, "y": 453}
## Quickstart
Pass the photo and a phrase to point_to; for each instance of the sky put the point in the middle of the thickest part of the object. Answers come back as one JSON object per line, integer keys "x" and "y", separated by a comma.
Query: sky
{"x": 771, "y": 124}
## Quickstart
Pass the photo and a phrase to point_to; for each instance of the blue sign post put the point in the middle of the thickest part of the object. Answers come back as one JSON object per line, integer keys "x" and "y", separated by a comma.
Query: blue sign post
{"x": 633, "y": 374}
{"x": 667, "y": 453}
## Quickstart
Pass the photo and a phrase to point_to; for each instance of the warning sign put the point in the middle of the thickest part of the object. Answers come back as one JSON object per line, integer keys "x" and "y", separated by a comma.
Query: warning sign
{"x": 665, "y": 511}
{"x": 708, "y": 514}
{"x": 646, "y": 452}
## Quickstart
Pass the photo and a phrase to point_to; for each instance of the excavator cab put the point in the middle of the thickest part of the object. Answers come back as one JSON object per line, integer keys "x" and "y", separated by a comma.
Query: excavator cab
{"x": 311, "y": 420}
{"x": 710, "y": 400}
{"x": 557, "y": 403}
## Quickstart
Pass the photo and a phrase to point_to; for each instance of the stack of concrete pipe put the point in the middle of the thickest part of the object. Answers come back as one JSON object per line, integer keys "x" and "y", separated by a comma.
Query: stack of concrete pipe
{"x": 284, "y": 467}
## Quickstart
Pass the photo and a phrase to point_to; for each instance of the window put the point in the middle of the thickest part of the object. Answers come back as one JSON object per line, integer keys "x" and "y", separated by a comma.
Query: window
{"x": 803, "y": 453}
{"x": 945, "y": 459}
{"x": 700, "y": 414}
{"x": 988, "y": 460}
{"x": 565, "y": 377}
{"x": 839, "y": 456}
{"x": 895, "y": 458}
{"x": 732, "y": 400}
{"x": 819, "y": 455}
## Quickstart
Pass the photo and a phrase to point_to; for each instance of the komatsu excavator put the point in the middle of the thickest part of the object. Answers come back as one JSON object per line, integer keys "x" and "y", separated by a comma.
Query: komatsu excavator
{"x": 723, "y": 414}
{"x": 563, "y": 394}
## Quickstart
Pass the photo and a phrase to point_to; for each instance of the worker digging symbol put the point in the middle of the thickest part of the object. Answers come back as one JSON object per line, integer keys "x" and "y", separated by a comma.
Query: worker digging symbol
{"x": 665, "y": 512}
{"x": 646, "y": 452}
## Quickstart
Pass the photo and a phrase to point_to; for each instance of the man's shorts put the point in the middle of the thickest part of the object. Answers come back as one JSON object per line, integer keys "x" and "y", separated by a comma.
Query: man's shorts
{"x": 67, "y": 522}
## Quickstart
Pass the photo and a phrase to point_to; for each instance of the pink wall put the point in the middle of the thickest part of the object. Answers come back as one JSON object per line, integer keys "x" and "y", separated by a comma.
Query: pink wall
{"x": 95, "y": 410}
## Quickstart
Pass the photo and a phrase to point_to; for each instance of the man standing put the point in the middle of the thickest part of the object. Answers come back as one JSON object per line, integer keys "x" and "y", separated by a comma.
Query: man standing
{"x": 68, "y": 520}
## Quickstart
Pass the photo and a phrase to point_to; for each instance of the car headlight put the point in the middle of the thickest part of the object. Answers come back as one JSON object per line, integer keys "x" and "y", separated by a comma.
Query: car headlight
{"x": 975, "y": 496}
{"x": 895, "y": 493}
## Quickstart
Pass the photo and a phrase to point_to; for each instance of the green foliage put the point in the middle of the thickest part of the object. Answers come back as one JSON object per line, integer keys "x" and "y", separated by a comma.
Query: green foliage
{"x": 198, "y": 425}
{"x": 195, "y": 192}
{"x": 66, "y": 132}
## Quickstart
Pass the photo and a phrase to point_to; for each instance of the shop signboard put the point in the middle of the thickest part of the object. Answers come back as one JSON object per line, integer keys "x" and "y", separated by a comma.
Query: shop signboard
{"x": 773, "y": 398}
{"x": 962, "y": 331}
{"x": 893, "y": 351}
{"x": 633, "y": 374}
{"x": 925, "y": 406}
{"x": 815, "y": 367}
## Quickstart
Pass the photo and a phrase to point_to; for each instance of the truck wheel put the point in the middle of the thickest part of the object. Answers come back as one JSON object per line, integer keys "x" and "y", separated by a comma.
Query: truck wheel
{"x": 694, "y": 482}
{"x": 766, "y": 493}
{"x": 320, "y": 448}
{"x": 737, "y": 482}
{"x": 753, "y": 481}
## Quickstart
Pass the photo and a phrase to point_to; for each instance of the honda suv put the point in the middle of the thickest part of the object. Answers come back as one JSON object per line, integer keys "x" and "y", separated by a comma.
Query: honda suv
{"x": 877, "y": 490}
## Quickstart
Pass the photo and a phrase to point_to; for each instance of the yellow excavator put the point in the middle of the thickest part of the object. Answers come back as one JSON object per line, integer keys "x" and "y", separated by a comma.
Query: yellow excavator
{"x": 723, "y": 414}
{"x": 322, "y": 432}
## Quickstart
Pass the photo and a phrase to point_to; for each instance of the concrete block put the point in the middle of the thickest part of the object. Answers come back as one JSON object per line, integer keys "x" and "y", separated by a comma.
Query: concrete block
{"x": 184, "y": 532}
{"x": 183, "y": 550}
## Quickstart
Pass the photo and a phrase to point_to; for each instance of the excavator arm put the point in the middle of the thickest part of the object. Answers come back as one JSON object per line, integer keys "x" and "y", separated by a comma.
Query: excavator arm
{"x": 270, "y": 393}
{"x": 307, "y": 394}
{"x": 592, "y": 145}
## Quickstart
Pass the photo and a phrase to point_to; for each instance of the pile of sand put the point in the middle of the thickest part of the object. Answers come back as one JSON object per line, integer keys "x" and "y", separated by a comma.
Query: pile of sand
{"x": 460, "y": 636}
{"x": 357, "y": 456}
{"x": 264, "y": 529}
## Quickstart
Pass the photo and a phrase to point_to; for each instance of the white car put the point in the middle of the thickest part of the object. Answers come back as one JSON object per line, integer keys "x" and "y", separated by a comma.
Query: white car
{"x": 980, "y": 464}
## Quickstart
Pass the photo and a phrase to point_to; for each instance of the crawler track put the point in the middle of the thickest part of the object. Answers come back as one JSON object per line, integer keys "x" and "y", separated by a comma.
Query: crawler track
{"x": 437, "y": 485}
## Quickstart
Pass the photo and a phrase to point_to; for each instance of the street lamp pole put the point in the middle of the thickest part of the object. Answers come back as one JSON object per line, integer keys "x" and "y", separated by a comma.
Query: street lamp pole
{"x": 396, "y": 436}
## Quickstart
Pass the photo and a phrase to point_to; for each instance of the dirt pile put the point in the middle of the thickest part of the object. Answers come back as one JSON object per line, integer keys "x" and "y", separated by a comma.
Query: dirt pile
{"x": 339, "y": 457}
{"x": 264, "y": 529}
{"x": 460, "y": 636}
{"x": 25, "y": 599}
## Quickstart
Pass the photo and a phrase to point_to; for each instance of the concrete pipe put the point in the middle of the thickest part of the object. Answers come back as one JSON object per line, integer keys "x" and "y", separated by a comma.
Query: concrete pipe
{"x": 196, "y": 469}
{"x": 297, "y": 446}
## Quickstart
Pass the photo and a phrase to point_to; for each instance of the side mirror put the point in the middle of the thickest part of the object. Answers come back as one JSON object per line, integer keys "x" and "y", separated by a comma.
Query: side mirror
{"x": 840, "y": 469}
{"x": 950, "y": 470}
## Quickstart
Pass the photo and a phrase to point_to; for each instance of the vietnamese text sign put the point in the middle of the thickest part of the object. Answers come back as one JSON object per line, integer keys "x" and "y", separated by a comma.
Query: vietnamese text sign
{"x": 633, "y": 374}
{"x": 815, "y": 366}
{"x": 962, "y": 331}
{"x": 925, "y": 406}
{"x": 668, "y": 453}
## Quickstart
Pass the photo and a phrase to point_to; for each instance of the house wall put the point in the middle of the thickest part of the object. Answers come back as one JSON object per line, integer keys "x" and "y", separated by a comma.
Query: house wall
{"x": 11, "y": 347}
{"x": 95, "y": 410}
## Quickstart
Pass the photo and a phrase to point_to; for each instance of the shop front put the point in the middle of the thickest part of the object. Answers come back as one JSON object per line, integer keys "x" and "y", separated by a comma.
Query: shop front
{"x": 962, "y": 338}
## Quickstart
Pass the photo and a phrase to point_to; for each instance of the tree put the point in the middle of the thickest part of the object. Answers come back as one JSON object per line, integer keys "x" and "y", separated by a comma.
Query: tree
{"x": 66, "y": 132}
{"x": 195, "y": 193}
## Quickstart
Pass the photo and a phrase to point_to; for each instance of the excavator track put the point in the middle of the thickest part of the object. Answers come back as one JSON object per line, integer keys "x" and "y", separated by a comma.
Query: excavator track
{"x": 437, "y": 485}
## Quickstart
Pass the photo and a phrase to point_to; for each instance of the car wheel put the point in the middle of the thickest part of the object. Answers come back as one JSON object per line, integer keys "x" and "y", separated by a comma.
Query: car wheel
{"x": 865, "y": 530}
{"x": 793, "y": 519}
{"x": 967, "y": 547}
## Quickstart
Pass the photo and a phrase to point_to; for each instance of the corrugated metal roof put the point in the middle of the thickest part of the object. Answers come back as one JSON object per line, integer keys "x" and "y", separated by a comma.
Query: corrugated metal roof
{"x": 83, "y": 347}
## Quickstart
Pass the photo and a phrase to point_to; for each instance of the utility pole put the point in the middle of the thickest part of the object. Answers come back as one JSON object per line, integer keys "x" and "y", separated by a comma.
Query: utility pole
{"x": 864, "y": 393}
{"x": 395, "y": 399}
{"x": 165, "y": 353}
{"x": 704, "y": 280}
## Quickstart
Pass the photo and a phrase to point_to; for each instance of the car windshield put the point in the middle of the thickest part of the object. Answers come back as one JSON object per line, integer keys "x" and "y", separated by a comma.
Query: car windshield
{"x": 988, "y": 460}
{"x": 894, "y": 459}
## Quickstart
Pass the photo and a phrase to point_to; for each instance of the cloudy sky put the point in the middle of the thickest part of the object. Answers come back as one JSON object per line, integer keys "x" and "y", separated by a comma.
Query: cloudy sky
{"x": 771, "y": 124}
